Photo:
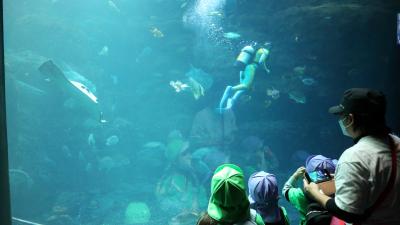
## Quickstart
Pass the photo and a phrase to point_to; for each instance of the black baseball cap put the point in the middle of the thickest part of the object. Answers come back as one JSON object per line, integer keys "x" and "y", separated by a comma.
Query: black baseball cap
{"x": 361, "y": 101}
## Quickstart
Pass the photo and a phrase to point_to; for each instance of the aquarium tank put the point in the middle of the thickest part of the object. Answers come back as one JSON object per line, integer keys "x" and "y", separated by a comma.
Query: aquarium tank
{"x": 119, "y": 111}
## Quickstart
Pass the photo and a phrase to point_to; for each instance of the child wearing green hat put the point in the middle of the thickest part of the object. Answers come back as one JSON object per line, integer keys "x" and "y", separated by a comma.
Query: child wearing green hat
{"x": 228, "y": 203}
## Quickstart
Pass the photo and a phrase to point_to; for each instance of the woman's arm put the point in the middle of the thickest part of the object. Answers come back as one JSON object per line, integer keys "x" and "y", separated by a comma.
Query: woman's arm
{"x": 312, "y": 190}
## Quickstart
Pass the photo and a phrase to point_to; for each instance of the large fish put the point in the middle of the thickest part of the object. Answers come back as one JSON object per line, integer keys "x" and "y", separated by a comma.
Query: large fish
{"x": 72, "y": 88}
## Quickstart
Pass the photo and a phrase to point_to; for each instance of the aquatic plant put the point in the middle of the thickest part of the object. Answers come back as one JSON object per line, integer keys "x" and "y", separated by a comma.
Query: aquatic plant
{"x": 20, "y": 177}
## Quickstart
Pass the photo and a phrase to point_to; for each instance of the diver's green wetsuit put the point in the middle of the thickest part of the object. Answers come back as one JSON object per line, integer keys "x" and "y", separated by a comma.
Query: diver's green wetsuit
{"x": 246, "y": 82}
{"x": 246, "y": 75}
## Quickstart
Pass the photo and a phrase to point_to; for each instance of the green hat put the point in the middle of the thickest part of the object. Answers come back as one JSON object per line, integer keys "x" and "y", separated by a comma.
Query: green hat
{"x": 228, "y": 201}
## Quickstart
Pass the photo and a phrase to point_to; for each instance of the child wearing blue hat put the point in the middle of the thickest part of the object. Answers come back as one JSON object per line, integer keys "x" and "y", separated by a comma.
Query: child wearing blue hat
{"x": 264, "y": 196}
{"x": 294, "y": 194}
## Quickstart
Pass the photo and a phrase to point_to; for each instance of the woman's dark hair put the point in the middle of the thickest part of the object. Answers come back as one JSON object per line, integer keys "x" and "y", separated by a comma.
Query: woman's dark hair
{"x": 207, "y": 220}
{"x": 371, "y": 124}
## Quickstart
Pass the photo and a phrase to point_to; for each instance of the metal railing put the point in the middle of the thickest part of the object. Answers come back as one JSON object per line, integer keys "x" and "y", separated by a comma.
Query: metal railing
{"x": 5, "y": 210}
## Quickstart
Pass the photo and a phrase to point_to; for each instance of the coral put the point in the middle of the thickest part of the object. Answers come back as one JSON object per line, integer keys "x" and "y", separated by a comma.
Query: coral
{"x": 59, "y": 210}
{"x": 208, "y": 129}
{"x": 137, "y": 213}
{"x": 185, "y": 218}
{"x": 60, "y": 220}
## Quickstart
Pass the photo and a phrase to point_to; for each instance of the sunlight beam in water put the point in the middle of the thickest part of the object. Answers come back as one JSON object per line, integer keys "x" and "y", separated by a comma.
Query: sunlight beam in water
{"x": 205, "y": 17}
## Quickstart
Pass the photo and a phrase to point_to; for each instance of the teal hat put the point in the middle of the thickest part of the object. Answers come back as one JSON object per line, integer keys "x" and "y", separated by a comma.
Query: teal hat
{"x": 228, "y": 201}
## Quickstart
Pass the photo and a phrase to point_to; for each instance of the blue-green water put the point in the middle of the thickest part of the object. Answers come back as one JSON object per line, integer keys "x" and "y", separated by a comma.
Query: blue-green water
{"x": 71, "y": 165}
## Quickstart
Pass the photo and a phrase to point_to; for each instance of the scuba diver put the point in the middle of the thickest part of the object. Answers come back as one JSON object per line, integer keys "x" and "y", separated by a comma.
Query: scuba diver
{"x": 247, "y": 61}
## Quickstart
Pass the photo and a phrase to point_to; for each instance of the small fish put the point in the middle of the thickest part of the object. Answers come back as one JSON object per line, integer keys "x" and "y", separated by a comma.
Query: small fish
{"x": 113, "y": 6}
{"x": 91, "y": 141}
{"x": 66, "y": 151}
{"x": 267, "y": 103}
{"x": 197, "y": 88}
{"x": 308, "y": 81}
{"x": 143, "y": 54}
{"x": 298, "y": 97}
{"x": 311, "y": 57}
{"x": 273, "y": 93}
{"x": 178, "y": 85}
{"x": 88, "y": 167}
{"x": 153, "y": 144}
{"x": 215, "y": 13}
{"x": 267, "y": 44}
{"x": 299, "y": 70}
{"x": 183, "y": 5}
{"x": 114, "y": 79}
{"x": 103, "y": 51}
{"x": 232, "y": 35}
{"x": 81, "y": 156}
{"x": 112, "y": 140}
{"x": 245, "y": 98}
{"x": 101, "y": 119}
{"x": 156, "y": 32}
{"x": 106, "y": 163}
{"x": 159, "y": 75}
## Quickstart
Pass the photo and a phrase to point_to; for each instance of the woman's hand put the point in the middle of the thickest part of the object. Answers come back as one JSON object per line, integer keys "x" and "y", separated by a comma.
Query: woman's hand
{"x": 310, "y": 188}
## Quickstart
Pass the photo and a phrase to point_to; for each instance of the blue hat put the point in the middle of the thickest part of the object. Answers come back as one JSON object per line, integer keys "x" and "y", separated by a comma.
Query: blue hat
{"x": 264, "y": 195}
{"x": 319, "y": 163}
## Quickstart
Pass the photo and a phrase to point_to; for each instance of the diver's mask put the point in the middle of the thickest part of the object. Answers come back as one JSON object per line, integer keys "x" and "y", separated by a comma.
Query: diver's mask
{"x": 244, "y": 56}
{"x": 344, "y": 127}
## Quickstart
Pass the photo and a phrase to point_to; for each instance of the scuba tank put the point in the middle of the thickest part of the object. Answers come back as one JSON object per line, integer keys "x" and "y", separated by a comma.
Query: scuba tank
{"x": 244, "y": 57}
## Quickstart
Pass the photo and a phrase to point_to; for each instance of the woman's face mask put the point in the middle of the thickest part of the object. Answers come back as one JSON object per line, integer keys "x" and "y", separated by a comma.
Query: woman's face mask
{"x": 344, "y": 127}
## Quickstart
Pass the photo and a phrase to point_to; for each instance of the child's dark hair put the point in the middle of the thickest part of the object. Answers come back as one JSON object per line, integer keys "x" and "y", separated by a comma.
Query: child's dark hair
{"x": 207, "y": 220}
